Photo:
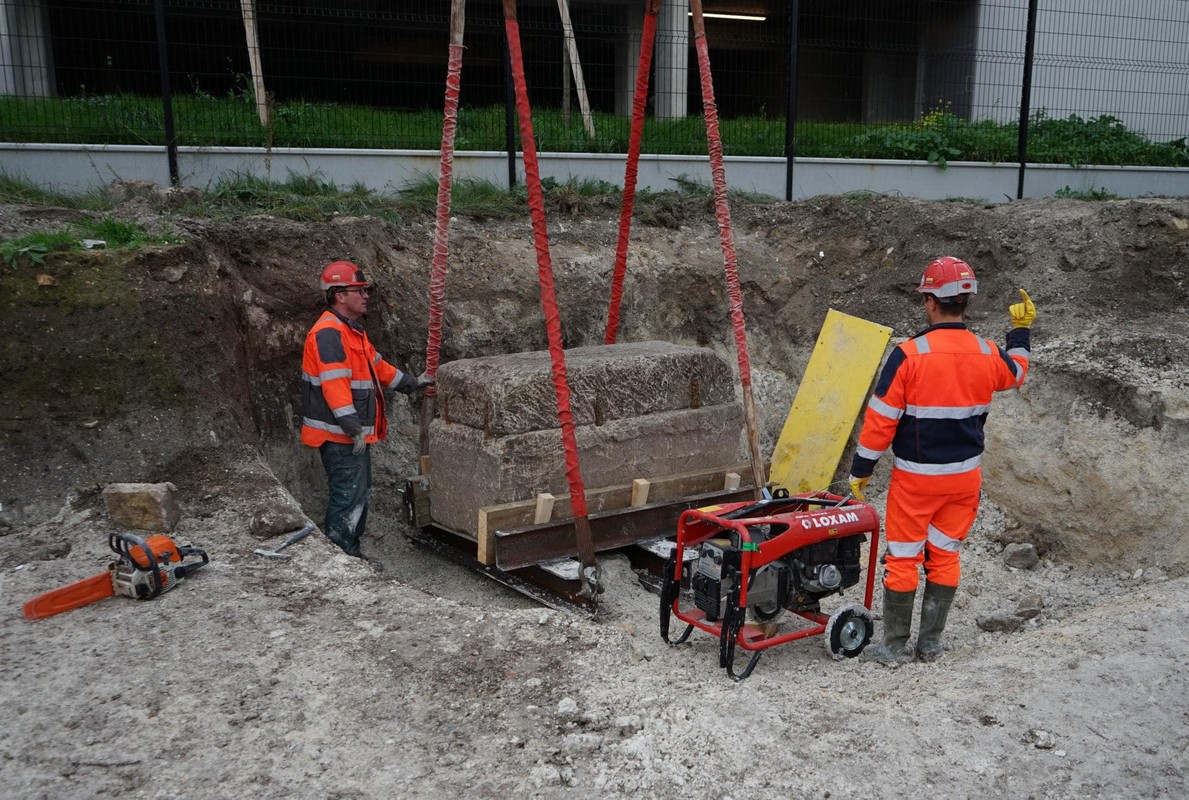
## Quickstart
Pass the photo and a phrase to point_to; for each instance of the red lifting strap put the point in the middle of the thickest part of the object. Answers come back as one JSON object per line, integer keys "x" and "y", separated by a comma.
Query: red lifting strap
{"x": 441, "y": 247}
{"x": 536, "y": 204}
{"x": 722, "y": 213}
{"x": 639, "y": 101}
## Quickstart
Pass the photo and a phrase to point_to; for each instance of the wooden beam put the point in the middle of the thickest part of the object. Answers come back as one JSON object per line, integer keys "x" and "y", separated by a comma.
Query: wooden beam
{"x": 610, "y": 530}
{"x": 520, "y": 513}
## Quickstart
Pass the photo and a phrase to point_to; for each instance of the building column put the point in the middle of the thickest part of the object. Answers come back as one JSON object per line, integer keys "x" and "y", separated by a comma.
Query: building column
{"x": 26, "y": 61}
{"x": 672, "y": 60}
{"x": 627, "y": 58}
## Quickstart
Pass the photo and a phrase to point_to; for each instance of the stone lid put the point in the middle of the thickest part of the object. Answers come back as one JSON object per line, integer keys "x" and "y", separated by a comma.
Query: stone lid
{"x": 514, "y": 393}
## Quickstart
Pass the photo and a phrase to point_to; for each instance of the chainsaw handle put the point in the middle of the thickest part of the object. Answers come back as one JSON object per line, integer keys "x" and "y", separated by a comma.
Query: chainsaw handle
{"x": 123, "y": 543}
{"x": 186, "y": 570}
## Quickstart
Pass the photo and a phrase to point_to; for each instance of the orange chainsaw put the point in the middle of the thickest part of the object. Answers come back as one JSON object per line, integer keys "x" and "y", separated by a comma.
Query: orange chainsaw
{"x": 144, "y": 569}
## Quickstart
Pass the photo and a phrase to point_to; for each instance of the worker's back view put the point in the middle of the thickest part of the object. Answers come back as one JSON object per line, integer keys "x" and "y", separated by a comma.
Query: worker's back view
{"x": 930, "y": 405}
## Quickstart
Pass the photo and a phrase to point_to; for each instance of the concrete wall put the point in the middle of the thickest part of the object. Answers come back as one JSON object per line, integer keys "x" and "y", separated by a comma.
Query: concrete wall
{"x": 74, "y": 169}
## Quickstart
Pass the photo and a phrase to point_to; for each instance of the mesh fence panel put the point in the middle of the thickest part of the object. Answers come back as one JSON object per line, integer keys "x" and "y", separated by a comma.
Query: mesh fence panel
{"x": 887, "y": 78}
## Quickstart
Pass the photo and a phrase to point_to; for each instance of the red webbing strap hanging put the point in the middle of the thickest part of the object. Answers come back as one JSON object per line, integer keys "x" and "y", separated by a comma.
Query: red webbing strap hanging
{"x": 536, "y": 204}
{"x": 722, "y": 213}
{"x": 441, "y": 248}
{"x": 639, "y": 101}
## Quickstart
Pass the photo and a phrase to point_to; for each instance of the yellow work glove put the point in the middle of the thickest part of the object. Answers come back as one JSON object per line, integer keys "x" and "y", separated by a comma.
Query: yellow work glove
{"x": 858, "y": 486}
{"x": 1024, "y": 313}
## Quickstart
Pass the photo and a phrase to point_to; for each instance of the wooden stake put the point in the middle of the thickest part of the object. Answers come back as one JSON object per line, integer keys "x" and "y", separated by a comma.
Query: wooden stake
{"x": 249, "y": 14}
{"x": 579, "y": 82}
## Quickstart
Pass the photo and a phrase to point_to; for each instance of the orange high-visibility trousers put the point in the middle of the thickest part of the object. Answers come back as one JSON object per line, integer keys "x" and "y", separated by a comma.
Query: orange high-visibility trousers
{"x": 925, "y": 529}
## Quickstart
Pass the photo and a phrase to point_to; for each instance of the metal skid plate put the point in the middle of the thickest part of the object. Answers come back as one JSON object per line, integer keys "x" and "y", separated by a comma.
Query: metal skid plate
{"x": 554, "y": 586}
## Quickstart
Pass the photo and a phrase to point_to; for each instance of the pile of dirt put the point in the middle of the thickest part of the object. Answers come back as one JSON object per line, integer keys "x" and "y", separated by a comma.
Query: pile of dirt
{"x": 322, "y": 677}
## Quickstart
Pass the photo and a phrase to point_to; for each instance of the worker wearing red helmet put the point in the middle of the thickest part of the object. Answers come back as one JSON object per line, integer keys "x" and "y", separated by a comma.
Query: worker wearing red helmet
{"x": 342, "y": 400}
{"x": 929, "y": 406}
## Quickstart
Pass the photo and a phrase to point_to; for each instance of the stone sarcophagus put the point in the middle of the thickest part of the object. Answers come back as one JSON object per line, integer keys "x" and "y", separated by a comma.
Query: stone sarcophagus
{"x": 640, "y": 410}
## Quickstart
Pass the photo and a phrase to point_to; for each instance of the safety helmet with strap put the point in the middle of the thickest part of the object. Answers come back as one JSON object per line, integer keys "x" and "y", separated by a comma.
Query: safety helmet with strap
{"x": 342, "y": 275}
{"x": 947, "y": 278}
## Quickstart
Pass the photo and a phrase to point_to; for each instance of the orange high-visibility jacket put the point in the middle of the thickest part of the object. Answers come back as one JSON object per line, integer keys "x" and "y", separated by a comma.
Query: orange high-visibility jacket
{"x": 931, "y": 403}
{"x": 342, "y": 383}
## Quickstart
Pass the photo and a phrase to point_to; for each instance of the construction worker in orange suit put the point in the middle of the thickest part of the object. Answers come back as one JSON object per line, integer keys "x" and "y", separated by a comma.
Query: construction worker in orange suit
{"x": 930, "y": 405}
{"x": 342, "y": 400}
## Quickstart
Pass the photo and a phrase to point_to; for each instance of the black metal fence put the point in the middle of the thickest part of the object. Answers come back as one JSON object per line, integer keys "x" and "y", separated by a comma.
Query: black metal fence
{"x": 894, "y": 78}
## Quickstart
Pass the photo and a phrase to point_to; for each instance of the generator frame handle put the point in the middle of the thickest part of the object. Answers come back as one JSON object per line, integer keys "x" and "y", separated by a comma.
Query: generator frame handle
{"x": 695, "y": 526}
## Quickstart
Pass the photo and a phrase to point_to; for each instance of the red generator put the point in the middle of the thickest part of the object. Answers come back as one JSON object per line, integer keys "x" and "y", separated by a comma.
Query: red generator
{"x": 745, "y": 563}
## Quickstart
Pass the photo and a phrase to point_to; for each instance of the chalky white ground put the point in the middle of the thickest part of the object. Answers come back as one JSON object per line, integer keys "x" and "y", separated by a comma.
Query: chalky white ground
{"x": 319, "y": 677}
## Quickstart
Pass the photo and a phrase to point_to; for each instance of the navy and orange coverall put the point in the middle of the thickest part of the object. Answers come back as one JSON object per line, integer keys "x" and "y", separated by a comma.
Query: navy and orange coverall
{"x": 342, "y": 396}
{"x": 930, "y": 405}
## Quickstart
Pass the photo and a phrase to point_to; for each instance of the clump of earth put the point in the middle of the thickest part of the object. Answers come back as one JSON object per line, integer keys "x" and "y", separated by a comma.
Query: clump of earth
{"x": 323, "y": 676}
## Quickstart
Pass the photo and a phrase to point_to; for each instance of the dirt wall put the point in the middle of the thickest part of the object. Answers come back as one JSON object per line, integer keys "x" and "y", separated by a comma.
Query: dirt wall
{"x": 1091, "y": 444}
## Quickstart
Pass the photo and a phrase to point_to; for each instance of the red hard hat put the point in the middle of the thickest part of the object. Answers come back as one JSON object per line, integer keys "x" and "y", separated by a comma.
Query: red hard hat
{"x": 342, "y": 273}
{"x": 948, "y": 277}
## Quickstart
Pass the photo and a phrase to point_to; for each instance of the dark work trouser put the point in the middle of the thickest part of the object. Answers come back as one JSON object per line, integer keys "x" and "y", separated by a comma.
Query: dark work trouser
{"x": 349, "y": 477}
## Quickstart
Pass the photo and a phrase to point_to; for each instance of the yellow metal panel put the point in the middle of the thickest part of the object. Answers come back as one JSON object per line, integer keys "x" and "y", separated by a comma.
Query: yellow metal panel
{"x": 831, "y": 396}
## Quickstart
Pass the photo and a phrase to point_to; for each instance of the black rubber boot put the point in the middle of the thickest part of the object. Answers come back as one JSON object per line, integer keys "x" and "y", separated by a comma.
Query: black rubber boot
{"x": 897, "y": 620}
{"x": 935, "y": 607}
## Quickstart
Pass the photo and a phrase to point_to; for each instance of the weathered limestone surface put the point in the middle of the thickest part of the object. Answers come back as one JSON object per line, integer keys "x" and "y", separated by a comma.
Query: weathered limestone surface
{"x": 514, "y": 393}
{"x": 649, "y": 424}
{"x": 143, "y": 506}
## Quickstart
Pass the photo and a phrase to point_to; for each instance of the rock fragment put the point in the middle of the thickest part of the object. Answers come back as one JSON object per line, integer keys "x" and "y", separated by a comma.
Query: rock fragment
{"x": 1030, "y": 606}
{"x": 1020, "y": 556}
{"x": 143, "y": 506}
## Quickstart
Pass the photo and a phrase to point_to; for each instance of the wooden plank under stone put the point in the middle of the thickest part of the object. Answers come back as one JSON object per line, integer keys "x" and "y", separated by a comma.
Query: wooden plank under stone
{"x": 521, "y": 513}
{"x": 610, "y": 530}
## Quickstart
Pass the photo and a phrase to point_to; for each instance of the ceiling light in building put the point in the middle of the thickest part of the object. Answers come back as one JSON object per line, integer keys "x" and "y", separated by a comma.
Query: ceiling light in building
{"x": 745, "y": 17}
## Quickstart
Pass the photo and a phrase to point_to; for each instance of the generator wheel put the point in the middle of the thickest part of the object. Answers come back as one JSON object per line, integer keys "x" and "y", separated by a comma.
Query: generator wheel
{"x": 849, "y": 631}
{"x": 766, "y": 613}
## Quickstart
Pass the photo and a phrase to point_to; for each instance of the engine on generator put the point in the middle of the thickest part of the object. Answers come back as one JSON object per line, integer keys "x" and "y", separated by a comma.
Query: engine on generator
{"x": 796, "y": 582}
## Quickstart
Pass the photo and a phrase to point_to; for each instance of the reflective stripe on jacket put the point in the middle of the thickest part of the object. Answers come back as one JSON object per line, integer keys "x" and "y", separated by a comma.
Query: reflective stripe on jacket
{"x": 340, "y": 395}
{"x": 931, "y": 403}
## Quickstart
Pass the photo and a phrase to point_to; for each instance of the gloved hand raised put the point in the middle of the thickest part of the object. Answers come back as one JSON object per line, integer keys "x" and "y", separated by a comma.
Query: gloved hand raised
{"x": 360, "y": 444}
{"x": 858, "y": 486}
{"x": 1023, "y": 313}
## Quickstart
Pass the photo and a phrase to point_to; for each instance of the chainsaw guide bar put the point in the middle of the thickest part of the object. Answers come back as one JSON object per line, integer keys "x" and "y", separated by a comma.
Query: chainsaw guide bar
{"x": 143, "y": 569}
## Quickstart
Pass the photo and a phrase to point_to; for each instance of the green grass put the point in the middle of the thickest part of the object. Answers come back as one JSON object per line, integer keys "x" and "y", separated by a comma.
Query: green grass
{"x": 18, "y": 191}
{"x": 299, "y": 197}
{"x": 938, "y": 136}
{"x": 32, "y": 248}
{"x": 1088, "y": 194}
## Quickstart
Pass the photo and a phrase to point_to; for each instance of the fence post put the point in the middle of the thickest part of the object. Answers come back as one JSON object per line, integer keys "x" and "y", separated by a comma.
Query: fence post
{"x": 790, "y": 113}
{"x": 1026, "y": 94}
{"x": 509, "y": 116}
{"x": 171, "y": 144}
